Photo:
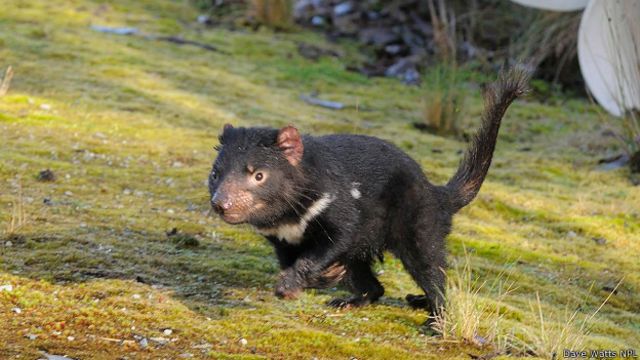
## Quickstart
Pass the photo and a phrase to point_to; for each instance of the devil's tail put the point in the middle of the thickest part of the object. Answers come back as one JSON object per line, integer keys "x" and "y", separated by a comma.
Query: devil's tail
{"x": 466, "y": 182}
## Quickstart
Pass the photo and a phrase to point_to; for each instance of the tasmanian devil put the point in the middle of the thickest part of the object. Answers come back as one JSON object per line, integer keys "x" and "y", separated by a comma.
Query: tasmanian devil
{"x": 331, "y": 205}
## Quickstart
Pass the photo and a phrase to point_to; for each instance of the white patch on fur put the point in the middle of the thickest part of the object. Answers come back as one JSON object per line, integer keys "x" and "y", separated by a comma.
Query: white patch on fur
{"x": 292, "y": 233}
{"x": 354, "y": 191}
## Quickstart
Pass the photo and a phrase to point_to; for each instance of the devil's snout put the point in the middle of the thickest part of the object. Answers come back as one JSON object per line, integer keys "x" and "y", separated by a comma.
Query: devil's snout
{"x": 220, "y": 202}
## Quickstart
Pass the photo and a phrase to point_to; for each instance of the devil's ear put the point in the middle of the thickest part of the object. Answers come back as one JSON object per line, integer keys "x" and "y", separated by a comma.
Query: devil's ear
{"x": 290, "y": 142}
{"x": 225, "y": 128}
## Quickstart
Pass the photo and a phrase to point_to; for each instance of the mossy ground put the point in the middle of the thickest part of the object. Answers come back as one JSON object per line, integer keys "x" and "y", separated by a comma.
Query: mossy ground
{"x": 128, "y": 126}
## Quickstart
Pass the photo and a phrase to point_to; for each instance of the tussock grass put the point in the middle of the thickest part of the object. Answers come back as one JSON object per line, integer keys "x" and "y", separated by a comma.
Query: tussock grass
{"x": 274, "y": 13}
{"x": 6, "y": 81}
{"x": 548, "y": 339}
{"x": 443, "y": 101}
{"x": 472, "y": 313}
{"x": 18, "y": 215}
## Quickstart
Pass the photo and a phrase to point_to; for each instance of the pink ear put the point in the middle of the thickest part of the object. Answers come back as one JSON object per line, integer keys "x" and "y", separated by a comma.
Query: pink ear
{"x": 227, "y": 127}
{"x": 290, "y": 142}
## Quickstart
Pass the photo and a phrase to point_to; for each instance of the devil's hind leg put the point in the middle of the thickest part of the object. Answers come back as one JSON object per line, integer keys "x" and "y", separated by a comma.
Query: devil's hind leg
{"x": 422, "y": 252}
{"x": 362, "y": 282}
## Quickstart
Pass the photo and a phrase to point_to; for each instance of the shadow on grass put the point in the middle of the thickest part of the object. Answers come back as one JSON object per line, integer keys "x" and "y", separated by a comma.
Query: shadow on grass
{"x": 201, "y": 275}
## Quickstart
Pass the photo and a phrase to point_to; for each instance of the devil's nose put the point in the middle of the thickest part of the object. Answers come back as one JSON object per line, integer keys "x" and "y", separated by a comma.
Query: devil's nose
{"x": 221, "y": 203}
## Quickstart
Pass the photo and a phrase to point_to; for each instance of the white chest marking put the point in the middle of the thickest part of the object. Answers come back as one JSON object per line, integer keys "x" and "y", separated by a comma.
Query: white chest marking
{"x": 354, "y": 190}
{"x": 292, "y": 233}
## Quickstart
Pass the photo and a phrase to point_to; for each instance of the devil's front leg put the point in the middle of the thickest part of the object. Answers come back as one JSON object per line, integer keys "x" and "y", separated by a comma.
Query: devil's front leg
{"x": 286, "y": 253}
{"x": 290, "y": 282}
{"x": 317, "y": 266}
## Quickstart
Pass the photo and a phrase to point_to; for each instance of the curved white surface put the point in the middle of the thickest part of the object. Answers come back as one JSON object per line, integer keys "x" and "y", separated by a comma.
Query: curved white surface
{"x": 609, "y": 53}
{"x": 555, "y": 5}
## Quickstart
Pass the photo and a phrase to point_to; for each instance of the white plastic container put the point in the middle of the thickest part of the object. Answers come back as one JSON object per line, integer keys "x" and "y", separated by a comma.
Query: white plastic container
{"x": 609, "y": 53}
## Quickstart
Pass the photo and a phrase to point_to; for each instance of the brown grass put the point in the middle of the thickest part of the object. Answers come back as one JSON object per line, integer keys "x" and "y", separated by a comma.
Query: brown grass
{"x": 444, "y": 101}
{"x": 273, "y": 13}
{"x": 18, "y": 215}
{"x": 548, "y": 339}
{"x": 444, "y": 29}
{"x": 6, "y": 81}
{"x": 469, "y": 316}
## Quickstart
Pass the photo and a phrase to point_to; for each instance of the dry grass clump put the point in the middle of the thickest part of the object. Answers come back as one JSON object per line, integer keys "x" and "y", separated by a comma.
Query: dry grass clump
{"x": 469, "y": 317}
{"x": 444, "y": 101}
{"x": 473, "y": 318}
{"x": 548, "y": 339}
{"x": 18, "y": 216}
{"x": 273, "y": 13}
{"x": 6, "y": 81}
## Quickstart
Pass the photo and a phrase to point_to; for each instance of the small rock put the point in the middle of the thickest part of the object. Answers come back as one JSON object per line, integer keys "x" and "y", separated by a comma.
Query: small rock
{"x": 126, "y": 192}
{"x": 394, "y": 49}
{"x": 55, "y": 357}
{"x": 411, "y": 77}
{"x": 378, "y": 36}
{"x": 159, "y": 340}
{"x": 170, "y": 211}
{"x": 136, "y": 296}
{"x": 204, "y": 19}
{"x": 17, "y": 310}
{"x": 243, "y": 342}
{"x": 70, "y": 338}
{"x": 203, "y": 346}
{"x": 480, "y": 340}
{"x": 600, "y": 240}
{"x": 572, "y": 234}
{"x": 400, "y": 67}
{"x": 45, "y": 107}
{"x": 347, "y": 25}
{"x": 186, "y": 355}
{"x": 7, "y": 288}
{"x": 68, "y": 193}
{"x": 8, "y": 244}
{"x": 31, "y": 336}
{"x": 143, "y": 342}
{"x": 317, "y": 21}
{"x": 46, "y": 175}
{"x": 343, "y": 8}
{"x": 167, "y": 332}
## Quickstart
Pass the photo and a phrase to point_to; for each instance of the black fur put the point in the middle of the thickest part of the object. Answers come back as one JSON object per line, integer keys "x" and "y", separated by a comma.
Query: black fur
{"x": 379, "y": 200}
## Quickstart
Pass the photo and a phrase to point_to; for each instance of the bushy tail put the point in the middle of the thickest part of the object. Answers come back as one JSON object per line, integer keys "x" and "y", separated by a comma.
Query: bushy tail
{"x": 465, "y": 184}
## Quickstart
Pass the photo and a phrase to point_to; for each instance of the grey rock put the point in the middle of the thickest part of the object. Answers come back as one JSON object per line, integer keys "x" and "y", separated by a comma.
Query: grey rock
{"x": 378, "y": 36}
{"x": 343, "y": 8}
{"x": 318, "y": 21}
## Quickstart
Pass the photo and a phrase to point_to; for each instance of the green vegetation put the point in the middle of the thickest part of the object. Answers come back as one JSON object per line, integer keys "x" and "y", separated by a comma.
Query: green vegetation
{"x": 128, "y": 125}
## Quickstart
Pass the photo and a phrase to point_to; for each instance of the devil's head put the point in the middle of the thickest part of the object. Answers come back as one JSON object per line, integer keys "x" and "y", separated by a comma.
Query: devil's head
{"x": 256, "y": 176}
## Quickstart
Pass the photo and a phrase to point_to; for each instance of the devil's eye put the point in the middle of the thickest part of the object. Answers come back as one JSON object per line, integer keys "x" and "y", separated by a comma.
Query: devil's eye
{"x": 259, "y": 176}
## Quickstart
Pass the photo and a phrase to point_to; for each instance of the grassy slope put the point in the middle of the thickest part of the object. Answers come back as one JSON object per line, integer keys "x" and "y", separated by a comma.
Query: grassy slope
{"x": 129, "y": 130}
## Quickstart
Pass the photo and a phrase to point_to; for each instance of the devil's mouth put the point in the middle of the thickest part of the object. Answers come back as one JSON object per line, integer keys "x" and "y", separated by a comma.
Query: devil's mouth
{"x": 233, "y": 218}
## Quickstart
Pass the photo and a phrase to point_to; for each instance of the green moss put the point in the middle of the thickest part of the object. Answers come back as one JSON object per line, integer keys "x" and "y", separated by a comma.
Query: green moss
{"x": 128, "y": 124}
